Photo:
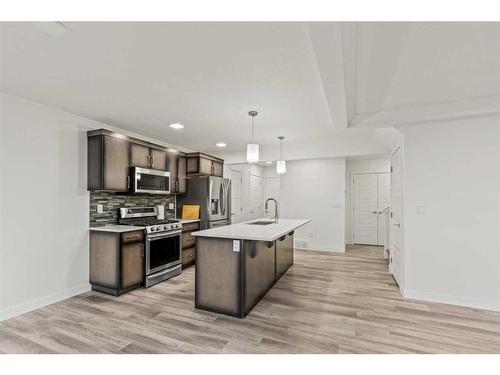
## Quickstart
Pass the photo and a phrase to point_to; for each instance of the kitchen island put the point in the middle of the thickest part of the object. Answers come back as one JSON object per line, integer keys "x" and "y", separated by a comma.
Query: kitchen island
{"x": 236, "y": 265}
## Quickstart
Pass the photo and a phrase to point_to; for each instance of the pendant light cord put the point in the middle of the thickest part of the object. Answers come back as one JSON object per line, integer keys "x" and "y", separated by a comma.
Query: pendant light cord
{"x": 253, "y": 118}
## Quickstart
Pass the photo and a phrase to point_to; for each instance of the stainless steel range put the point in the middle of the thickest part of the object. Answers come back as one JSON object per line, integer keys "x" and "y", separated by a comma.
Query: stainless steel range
{"x": 162, "y": 258}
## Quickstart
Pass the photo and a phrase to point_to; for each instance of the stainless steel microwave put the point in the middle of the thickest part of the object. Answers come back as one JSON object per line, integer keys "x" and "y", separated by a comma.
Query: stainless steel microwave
{"x": 150, "y": 181}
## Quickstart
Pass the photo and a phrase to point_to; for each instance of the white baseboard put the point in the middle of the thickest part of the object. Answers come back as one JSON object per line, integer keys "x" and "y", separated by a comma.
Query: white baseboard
{"x": 452, "y": 300}
{"x": 43, "y": 301}
{"x": 330, "y": 249}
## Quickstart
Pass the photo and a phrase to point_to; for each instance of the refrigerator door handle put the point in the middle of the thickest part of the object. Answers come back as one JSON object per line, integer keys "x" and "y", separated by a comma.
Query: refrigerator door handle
{"x": 221, "y": 199}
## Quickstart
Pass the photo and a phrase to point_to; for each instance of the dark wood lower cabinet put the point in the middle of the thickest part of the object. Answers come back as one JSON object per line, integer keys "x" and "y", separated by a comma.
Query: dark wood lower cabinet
{"x": 284, "y": 254}
{"x": 188, "y": 244}
{"x": 116, "y": 261}
{"x": 232, "y": 279}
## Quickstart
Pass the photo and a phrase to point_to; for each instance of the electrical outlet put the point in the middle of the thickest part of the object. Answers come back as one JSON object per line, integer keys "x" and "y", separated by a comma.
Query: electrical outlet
{"x": 100, "y": 209}
{"x": 171, "y": 206}
{"x": 236, "y": 246}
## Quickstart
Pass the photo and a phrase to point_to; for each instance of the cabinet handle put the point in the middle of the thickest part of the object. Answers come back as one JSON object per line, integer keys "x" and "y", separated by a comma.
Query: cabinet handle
{"x": 128, "y": 182}
{"x": 142, "y": 250}
{"x": 152, "y": 161}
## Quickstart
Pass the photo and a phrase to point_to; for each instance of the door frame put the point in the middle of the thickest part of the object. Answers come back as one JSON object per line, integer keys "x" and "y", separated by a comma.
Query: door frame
{"x": 402, "y": 251}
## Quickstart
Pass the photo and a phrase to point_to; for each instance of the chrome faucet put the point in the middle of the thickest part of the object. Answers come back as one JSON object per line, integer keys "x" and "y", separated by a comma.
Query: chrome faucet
{"x": 276, "y": 211}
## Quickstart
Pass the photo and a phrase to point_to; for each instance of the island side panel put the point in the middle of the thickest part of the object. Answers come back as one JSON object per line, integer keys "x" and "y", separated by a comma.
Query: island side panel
{"x": 259, "y": 271}
{"x": 284, "y": 254}
{"x": 218, "y": 276}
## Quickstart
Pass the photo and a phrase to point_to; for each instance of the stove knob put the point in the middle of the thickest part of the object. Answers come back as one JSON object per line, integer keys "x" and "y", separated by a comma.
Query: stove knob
{"x": 165, "y": 227}
{"x": 152, "y": 229}
{"x": 158, "y": 227}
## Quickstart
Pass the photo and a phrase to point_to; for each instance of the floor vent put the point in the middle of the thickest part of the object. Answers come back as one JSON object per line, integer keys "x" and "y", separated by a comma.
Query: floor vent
{"x": 301, "y": 244}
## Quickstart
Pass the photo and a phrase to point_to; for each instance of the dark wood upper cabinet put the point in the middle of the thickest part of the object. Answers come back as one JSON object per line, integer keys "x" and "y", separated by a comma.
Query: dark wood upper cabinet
{"x": 158, "y": 159}
{"x": 139, "y": 155}
{"x": 199, "y": 164}
{"x": 108, "y": 163}
{"x": 176, "y": 165}
{"x": 147, "y": 157}
{"x": 182, "y": 174}
{"x": 110, "y": 156}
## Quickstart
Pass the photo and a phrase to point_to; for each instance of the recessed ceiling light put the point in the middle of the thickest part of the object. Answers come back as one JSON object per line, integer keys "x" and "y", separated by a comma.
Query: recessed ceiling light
{"x": 176, "y": 126}
{"x": 221, "y": 144}
{"x": 269, "y": 162}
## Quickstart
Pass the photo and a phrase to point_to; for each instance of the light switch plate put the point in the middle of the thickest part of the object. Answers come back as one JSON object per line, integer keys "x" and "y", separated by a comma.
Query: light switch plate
{"x": 236, "y": 246}
{"x": 100, "y": 209}
{"x": 171, "y": 206}
{"x": 420, "y": 210}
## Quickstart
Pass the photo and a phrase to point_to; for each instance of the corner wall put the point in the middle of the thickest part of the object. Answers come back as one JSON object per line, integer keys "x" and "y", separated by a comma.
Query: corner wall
{"x": 452, "y": 251}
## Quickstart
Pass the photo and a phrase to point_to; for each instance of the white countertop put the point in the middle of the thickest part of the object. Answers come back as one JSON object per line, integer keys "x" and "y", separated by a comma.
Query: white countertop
{"x": 187, "y": 221}
{"x": 116, "y": 228}
{"x": 245, "y": 231}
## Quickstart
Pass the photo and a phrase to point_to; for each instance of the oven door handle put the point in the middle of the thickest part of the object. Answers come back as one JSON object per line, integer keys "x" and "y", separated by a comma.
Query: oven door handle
{"x": 156, "y": 236}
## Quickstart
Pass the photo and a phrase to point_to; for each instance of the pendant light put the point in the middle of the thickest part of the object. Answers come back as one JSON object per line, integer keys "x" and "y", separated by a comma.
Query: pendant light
{"x": 281, "y": 164}
{"x": 253, "y": 148}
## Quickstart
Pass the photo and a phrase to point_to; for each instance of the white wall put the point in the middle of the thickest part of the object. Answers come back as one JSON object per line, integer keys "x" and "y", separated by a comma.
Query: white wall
{"x": 375, "y": 165}
{"x": 314, "y": 189}
{"x": 452, "y": 252}
{"x": 44, "y": 214}
{"x": 44, "y": 204}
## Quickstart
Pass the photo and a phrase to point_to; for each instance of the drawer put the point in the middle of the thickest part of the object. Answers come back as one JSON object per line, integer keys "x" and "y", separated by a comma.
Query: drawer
{"x": 190, "y": 226}
{"x": 187, "y": 240}
{"x": 188, "y": 255}
{"x": 134, "y": 236}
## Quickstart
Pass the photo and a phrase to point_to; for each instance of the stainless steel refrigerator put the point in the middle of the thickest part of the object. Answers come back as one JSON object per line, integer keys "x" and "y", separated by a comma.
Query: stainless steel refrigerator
{"x": 213, "y": 195}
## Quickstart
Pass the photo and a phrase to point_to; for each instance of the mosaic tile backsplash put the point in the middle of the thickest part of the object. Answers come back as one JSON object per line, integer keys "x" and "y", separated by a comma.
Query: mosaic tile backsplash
{"x": 111, "y": 202}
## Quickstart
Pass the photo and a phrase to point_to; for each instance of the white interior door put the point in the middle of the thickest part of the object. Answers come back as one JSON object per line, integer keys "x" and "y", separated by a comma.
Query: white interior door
{"x": 365, "y": 209}
{"x": 237, "y": 214}
{"x": 384, "y": 201}
{"x": 272, "y": 189}
{"x": 256, "y": 210}
{"x": 395, "y": 263}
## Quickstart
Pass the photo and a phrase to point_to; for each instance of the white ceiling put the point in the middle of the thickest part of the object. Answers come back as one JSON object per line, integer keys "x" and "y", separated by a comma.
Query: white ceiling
{"x": 308, "y": 81}
{"x": 405, "y": 64}
{"x": 143, "y": 76}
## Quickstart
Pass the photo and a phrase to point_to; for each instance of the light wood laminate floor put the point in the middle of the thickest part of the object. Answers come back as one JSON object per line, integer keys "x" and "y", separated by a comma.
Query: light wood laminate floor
{"x": 326, "y": 303}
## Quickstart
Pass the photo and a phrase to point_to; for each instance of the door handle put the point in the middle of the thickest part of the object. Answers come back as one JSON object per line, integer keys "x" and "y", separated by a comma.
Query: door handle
{"x": 374, "y": 212}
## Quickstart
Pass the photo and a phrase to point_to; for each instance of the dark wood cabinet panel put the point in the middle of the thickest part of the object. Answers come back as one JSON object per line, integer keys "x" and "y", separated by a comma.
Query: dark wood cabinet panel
{"x": 199, "y": 164}
{"x": 205, "y": 166}
{"x": 259, "y": 271}
{"x": 284, "y": 254}
{"x": 132, "y": 264}
{"x": 217, "y": 168}
{"x": 139, "y": 156}
{"x": 176, "y": 165}
{"x": 108, "y": 163}
{"x": 158, "y": 159}
{"x": 172, "y": 168}
{"x": 181, "y": 174}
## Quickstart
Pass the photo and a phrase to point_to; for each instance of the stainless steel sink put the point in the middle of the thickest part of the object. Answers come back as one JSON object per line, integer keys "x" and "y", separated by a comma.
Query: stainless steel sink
{"x": 261, "y": 222}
